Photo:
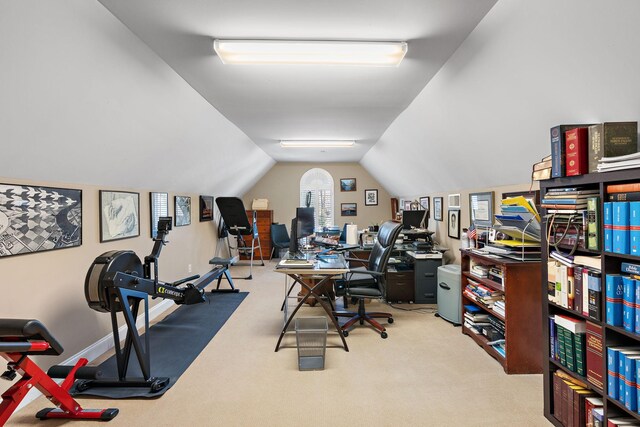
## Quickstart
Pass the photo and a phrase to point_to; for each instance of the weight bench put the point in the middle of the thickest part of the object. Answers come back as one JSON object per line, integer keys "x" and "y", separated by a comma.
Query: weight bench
{"x": 220, "y": 269}
{"x": 20, "y": 338}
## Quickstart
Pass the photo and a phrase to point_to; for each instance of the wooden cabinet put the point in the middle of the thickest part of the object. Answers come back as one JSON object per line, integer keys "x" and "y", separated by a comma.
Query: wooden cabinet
{"x": 522, "y": 320}
{"x": 264, "y": 221}
{"x": 610, "y": 264}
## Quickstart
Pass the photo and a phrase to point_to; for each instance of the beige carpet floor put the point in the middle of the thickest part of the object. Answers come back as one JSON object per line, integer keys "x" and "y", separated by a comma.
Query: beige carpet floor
{"x": 425, "y": 374}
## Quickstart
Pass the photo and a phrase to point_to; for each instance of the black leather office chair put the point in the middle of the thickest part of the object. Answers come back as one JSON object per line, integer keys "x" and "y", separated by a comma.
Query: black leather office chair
{"x": 369, "y": 281}
{"x": 280, "y": 237}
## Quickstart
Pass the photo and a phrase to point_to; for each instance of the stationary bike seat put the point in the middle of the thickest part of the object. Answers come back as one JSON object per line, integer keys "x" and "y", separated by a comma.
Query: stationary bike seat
{"x": 29, "y": 329}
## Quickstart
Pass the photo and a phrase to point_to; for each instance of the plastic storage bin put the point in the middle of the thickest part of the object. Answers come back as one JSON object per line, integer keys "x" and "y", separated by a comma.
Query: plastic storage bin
{"x": 311, "y": 339}
{"x": 449, "y": 293}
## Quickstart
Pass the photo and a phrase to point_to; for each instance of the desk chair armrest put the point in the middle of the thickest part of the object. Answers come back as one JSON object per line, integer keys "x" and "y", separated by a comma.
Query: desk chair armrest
{"x": 369, "y": 272}
{"x": 364, "y": 261}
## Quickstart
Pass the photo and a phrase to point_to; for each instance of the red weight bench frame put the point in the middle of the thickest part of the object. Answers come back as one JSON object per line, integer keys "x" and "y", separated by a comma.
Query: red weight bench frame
{"x": 16, "y": 350}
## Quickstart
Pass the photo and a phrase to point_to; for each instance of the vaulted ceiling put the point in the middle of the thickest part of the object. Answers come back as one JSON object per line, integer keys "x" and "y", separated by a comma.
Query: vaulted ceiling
{"x": 274, "y": 102}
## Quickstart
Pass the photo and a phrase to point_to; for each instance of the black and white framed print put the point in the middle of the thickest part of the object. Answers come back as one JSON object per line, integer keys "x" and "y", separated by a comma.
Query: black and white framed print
{"x": 119, "y": 215}
{"x": 206, "y": 208}
{"x": 36, "y": 219}
{"x": 424, "y": 203}
{"x": 453, "y": 223}
{"x": 437, "y": 208}
{"x": 371, "y": 197}
{"x": 159, "y": 203}
{"x": 183, "y": 210}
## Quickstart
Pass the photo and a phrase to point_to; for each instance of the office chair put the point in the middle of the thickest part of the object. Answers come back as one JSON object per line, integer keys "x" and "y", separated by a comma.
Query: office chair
{"x": 280, "y": 238}
{"x": 343, "y": 235}
{"x": 370, "y": 281}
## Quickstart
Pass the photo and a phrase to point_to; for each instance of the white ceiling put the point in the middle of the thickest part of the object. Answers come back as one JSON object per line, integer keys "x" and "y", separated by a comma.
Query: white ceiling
{"x": 273, "y": 102}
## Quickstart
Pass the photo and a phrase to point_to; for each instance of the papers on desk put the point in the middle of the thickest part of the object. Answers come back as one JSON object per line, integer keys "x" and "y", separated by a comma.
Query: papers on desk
{"x": 295, "y": 263}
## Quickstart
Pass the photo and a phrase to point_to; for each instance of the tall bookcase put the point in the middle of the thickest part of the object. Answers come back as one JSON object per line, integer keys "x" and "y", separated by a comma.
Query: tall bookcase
{"x": 610, "y": 264}
{"x": 522, "y": 323}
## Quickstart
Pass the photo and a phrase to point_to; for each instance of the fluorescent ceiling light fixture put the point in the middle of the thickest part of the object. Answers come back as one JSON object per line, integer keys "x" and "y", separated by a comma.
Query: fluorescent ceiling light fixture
{"x": 316, "y": 143}
{"x": 382, "y": 54}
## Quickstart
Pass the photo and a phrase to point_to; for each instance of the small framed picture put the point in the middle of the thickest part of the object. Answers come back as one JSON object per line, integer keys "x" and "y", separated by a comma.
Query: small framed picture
{"x": 183, "y": 210}
{"x": 119, "y": 215}
{"x": 406, "y": 206}
{"x": 481, "y": 209}
{"x": 159, "y": 203}
{"x": 371, "y": 197}
{"x": 348, "y": 209}
{"x": 437, "y": 208}
{"x": 454, "y": 201}
{"x": 424, "y": 203}
{"x": 453, "y": 223}
{"x": 206, "y": 208}
{"x": 347, "y": 184}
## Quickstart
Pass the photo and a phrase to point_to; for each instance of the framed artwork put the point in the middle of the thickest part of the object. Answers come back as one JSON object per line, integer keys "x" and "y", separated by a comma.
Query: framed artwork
{"x": 348, "y": 209}
{"x": 453, "y": 223}
{"x": 371, "y": 197}
{"x": 424, "y": 203}
{"x": 406, "y": 205}
{"x": 481, "y": 209}
{"x": 453, "y": 201}
{"x": 206, "y": 208}
{"x": 347, "y": 184}
{"x": 159, "y": 203}
{"x": 37, "y": 219}
{"x": 119, "y": 215}
{"x": 183, "y": 210}
{"x": 437, "y": 208}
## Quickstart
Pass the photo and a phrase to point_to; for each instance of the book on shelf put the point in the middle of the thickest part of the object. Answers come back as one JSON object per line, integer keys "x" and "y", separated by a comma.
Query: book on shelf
{"x": 627, "y": 267}
{"x": 593, "y": 223}
{"x": 620, "y": 234}
{"x": 591, "y": 404}
{"x": 543, "y": 164}
{"x": 594, "y": 285}
{"x": 633, "y": 196}
{"x": 558, "y": 149}
{"x": 541, "y": 174}
{"x": 598, "y": 417}
{"x": 588, "y": 261}
{"x": 634, "y": 228}
{"x": 613, "y": 299}
{"x": 628, "y": 303}
{"x": 607, "y": 219}
{"x": 623, "y": 188}
{"x": 576, "y": 147}
{"x": 611, "y": 139}
{"x": 594, "y": 355}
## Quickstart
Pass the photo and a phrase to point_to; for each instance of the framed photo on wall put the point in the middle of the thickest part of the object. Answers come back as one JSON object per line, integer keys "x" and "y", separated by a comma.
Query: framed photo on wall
{"x": 348, "y": 209}
{"x": 371, "y": 197}
{"x": 406, "y": 205}
{"x": 119, "y": 215}
{"x": 453, "y": 223}
{"x": 37, "y": 219}
{"x": 481, "y": 209}
{"x": 347, "y": 184}
{"x": 437, "y": 208}
{"x": 424, "y": 203}
{"x": 159, "y": 203}
{"x": 206, "y": 208}
{"x": 183, "y": 210}
{"x": 453, "y": 201}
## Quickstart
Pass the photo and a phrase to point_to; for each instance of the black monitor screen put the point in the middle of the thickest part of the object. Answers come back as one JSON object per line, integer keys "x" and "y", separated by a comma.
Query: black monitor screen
{"x": 293, "y": 241}
{"x": 305, "y": 222}
{"x": 414, "y": 219}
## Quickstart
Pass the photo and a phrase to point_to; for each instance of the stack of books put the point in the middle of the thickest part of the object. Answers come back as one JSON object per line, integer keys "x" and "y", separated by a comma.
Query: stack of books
{"x": 567, "y": 337}
{"x": 573, "y": 403}
{"x": 481, "y": 294}
{"x": 476, "y": 320}
{"x": 479, "y": 270}
{"x": 629, "y": 161}
{"x": 567, "y": 200}
{"x": 542, "y": 169}
{"x": 500, "y": 307}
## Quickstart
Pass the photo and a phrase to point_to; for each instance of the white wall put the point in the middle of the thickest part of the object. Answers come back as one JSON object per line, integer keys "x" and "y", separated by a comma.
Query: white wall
{"x": 485, "y": 117}
{"x": 83, "y": 100}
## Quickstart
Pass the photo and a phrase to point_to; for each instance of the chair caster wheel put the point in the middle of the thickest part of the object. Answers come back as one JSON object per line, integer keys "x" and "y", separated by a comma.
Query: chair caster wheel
{"x": 345, "y": 333}
{"x": 384, "y": 335}
{"x": 390, "y": 320}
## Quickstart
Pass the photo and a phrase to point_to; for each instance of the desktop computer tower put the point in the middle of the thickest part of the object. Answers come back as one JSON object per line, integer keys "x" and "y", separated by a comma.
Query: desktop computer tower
{"x": 449, "y": 293}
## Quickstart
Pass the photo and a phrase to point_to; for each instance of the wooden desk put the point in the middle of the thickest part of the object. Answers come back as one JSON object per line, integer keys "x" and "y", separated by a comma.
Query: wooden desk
{"x": 314, "y": 288}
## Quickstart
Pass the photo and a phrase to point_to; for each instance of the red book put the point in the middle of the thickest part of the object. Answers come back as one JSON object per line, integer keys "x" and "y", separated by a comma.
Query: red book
{"x": 590, "y": 404}
{"x": 576, "y": 149}
{"x": 595, "y": 361}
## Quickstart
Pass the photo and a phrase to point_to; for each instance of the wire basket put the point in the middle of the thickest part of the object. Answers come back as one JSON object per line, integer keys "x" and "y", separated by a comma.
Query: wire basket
{"x": 311, "y": 339}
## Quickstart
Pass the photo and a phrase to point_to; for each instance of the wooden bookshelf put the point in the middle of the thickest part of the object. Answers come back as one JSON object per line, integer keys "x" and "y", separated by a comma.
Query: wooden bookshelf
{"x": 610, "y": 264}
{"x": 523, "y": 324}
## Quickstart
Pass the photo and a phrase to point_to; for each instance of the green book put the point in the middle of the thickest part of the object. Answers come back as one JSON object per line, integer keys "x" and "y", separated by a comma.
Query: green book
{"x": 570, "y": 349}
{"x": 580, "y": 353}
{"x": 561, "y": 345}
{"x": 593, "y": 223}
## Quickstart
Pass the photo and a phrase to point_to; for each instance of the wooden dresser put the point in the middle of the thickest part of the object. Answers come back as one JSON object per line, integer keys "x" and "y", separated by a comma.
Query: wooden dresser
{"x": 265, "y": 219}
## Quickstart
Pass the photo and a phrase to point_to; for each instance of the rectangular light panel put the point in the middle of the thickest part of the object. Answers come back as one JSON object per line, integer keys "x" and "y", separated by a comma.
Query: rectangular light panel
{"x": 382, "y": 54}
{"x": 316, "y": 144}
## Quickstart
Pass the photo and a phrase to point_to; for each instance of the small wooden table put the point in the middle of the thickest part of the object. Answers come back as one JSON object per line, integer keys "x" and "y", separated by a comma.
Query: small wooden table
{"x": 314, "y": 289}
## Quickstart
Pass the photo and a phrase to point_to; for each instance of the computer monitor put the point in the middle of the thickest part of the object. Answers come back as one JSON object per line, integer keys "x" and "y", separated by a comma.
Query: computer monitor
{"x": 293, "y": 238}
{"x": 415, "y": 219}
{"x": 305, "y": 222}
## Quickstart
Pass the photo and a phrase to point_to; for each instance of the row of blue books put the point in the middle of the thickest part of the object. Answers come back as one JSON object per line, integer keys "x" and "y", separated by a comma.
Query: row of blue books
{"x": 622, "y": 227}
{"x": 622, "y": 298}
{"x": 623, "y": 370}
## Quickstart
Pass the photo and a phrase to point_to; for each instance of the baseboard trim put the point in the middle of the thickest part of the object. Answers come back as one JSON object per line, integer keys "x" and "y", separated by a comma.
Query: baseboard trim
{"x": 98, "y": 348}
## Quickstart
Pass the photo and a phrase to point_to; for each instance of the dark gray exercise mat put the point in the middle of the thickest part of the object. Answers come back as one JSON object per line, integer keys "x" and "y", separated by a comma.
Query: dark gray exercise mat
{"x": 175, "y": 342}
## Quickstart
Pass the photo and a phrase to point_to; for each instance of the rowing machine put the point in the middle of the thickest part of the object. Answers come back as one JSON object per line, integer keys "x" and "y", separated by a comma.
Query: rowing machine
{"x": 20, "y": 338}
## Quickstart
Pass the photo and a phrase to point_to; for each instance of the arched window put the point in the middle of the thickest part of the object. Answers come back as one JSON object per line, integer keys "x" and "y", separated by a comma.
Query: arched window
{"x": 316, "y": 190}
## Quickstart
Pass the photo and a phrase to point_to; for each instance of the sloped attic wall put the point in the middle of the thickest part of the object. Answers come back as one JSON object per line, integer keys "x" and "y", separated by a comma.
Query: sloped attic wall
{"x": 484, "y": 119}
{"x": 85, "y": 104}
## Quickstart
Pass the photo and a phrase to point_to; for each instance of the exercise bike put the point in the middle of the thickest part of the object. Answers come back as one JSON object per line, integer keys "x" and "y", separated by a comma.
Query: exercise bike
{"x": 118, "y": 281}
{"x": 20, "y": 338}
